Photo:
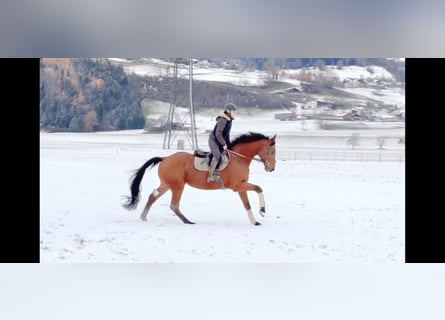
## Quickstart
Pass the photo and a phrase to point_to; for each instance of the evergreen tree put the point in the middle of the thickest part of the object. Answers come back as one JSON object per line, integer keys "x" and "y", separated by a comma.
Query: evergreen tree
{"x": 87, "y": 94}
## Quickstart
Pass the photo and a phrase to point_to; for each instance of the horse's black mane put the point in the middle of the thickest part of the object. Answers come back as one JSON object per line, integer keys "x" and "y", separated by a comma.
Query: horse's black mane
{"x": 248, "y": 137}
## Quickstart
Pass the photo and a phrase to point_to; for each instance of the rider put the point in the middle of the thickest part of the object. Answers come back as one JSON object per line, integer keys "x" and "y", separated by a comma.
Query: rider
{"x": 219, "y": 138}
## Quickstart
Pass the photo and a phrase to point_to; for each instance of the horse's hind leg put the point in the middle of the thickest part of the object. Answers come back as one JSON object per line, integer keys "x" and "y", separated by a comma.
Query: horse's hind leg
{"x": 174, "y": 205}
{"x": 155, "y": 195}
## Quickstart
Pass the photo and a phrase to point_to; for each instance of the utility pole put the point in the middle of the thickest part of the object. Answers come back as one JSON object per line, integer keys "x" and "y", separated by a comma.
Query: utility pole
{"x": 171, "y": 127}
{"x": 171, "y": 111}
{"x": 192, "y": 110}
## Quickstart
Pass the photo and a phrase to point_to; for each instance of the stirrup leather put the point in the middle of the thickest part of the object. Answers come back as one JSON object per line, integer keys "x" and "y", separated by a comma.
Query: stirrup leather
{"x": 215, "y": 177}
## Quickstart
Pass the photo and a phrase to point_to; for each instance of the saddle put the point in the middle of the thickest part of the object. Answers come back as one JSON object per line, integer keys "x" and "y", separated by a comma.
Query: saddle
{"x": 202, "y": 160}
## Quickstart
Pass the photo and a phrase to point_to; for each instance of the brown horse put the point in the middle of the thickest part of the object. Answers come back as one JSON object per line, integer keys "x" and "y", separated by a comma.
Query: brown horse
{"x": 177, "y": 170}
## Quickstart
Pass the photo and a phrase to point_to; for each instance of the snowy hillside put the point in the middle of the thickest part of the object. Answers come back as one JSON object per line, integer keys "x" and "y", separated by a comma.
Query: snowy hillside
{"x": 372, "y": 83}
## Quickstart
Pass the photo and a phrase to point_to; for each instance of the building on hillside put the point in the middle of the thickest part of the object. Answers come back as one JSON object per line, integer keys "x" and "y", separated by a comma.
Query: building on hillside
{"x": 352, "y": 116}
{"x": 318, "y": 104}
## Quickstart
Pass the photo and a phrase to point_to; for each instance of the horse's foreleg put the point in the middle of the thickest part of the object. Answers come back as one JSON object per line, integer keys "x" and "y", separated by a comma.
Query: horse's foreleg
{"x": 245, "y": 200}
{"x": 155, "y": 195}
{"x": 244, "y": 187}
{"x": 174, "y": 205}
{"x": 262, "y": 203}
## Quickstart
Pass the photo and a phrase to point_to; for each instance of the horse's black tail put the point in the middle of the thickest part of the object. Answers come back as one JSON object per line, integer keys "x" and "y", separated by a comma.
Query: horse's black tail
{"x": 135, "y": 181}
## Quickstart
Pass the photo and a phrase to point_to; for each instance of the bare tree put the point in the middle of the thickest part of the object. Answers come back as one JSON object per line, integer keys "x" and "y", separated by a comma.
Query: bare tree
{"x": 320, "y": 65}
{"x": 273, "y": 69}
{"x": 381, "y": 142}
{"x": 322, "y": 124}
{"x": 354, "y": 140}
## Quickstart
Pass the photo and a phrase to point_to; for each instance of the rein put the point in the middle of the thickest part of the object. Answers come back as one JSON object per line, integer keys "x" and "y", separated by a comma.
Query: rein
{"x": 243, "y": 156}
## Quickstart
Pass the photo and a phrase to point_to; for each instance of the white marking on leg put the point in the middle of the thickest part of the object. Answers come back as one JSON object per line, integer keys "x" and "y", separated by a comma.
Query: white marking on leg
{"x": 155, "y": 192}
{"x": 144, "y": 213}
{"x": 250, "y": 215}
{"x": 262, "y": 202}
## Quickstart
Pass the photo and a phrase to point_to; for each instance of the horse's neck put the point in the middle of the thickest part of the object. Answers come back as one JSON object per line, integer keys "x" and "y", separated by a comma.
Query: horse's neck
{"x": 247, "y": 150}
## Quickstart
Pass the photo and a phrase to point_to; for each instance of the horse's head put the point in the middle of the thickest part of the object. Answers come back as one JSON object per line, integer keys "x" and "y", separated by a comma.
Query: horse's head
{"x": 267, "y": 154}
{"x": 252, "y": 144}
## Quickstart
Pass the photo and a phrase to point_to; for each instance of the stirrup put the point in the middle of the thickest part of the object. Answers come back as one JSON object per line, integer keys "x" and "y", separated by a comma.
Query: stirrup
{"x": 215, "y": 177}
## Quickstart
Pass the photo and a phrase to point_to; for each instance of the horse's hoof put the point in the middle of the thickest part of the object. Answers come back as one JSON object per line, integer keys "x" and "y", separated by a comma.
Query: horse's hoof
{"x": 188, "y": 222}
{"x": 263, "y": 211}
{"x": 257, "y": 223}
{"x": 143, "y": 218}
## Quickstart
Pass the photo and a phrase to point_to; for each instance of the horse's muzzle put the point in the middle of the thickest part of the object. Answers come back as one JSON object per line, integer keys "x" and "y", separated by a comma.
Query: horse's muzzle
{"x": 267, "y": 167}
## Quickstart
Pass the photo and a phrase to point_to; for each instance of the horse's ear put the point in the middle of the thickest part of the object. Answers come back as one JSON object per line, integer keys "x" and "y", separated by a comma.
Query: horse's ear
{"x": 272, "y": 140}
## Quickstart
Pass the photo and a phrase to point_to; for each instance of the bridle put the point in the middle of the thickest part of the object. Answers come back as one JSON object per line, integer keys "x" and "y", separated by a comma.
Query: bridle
{"x": 265, "y": 162}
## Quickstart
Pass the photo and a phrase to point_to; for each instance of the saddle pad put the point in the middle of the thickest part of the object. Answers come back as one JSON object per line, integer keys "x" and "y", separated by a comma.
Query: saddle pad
{"x": 201, "y": 164}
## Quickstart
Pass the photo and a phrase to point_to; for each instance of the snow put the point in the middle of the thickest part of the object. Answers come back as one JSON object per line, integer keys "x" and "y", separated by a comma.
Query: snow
{"x": 394, "y": 96}
{"x": 357, "y": 72}
{"x": 205, "y": 72}
{"x": 319, "y": 208}
{"x": 201, "y": 72}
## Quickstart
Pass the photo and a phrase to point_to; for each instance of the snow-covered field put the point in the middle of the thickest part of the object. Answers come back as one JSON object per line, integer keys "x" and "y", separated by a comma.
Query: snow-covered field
{"x": 317, "y": 211}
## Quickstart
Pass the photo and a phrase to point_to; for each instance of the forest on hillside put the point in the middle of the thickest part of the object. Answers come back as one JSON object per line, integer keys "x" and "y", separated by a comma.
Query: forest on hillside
{"x": 87, "y": 95}
{"x": 94, "y": 95}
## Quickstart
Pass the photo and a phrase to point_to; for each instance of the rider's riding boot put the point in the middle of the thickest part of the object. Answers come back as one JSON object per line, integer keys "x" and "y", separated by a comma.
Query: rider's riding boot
{"x": 212, "y": 171}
